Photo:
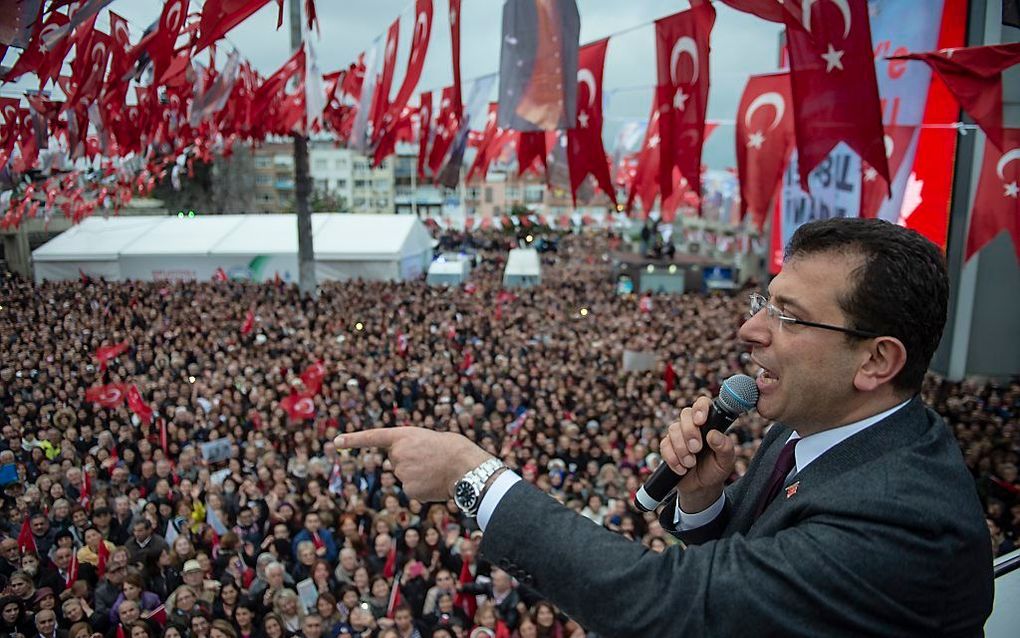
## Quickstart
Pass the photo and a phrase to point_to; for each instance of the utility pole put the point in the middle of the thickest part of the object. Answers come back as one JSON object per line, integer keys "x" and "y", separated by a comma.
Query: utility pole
{"x": 302, "y": 182}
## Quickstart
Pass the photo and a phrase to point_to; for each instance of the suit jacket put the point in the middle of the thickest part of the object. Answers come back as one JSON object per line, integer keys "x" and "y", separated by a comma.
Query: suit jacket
{"x": 884, "y": 536}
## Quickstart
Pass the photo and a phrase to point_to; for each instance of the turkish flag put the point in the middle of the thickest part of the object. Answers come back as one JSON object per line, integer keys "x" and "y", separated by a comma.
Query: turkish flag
{"x": 682, "y": 51}
{"x": 161, "y": 45}
{"x": 764, "y": 138}
{"x": 313, "y": 377}
{"x": 86, "y": 490}
{"x": 424, "y": 130}
{"x": 103, "y": 556}
{"x": 137, "y": 405}
{"x": 35, "y": 59}
{"x": 26, "y": 540}
{"x": 481, "y": 161}
{"x": 220, "y": 275}
{"x": 997, "y": 201}
{"x": 108, "y": 396}
{"x": 89, "y": 68}
{"x": 873, "y": 195}
{"x": 381, "y": 99}
{"x": 974, "y": 77}
{"x": 274, "y": 85}
{"x": 458, "y": 108}
{"x": 835, "y": 92}
{"x": 530, "y": 147}
{"x": 298, "y": 406}
{"x": 644, "y": 184}
{"x": 72, "y": 571}
{"x": 447, "y": 125}
{"x": 467, "y": 602}
{"x": 220, "y": 16}
{"x": 107, "y": 353}
{"x": 249, "y": 323}
{"x": 416, "y": 59}
{"x": 585, "y": 152}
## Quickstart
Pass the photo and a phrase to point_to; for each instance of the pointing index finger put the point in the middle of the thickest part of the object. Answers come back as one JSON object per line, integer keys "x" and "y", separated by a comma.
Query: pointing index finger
{"x": 368, "y": 438}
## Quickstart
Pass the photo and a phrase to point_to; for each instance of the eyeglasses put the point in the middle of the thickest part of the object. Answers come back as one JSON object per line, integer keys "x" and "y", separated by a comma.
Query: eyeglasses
{"x": 758, "y": 302}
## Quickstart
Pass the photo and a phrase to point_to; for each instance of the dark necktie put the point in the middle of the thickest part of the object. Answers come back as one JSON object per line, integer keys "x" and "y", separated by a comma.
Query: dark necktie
{"x": 784, "y": 464}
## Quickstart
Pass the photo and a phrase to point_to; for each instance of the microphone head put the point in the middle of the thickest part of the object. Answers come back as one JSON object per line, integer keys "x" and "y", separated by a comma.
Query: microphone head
{"x": 739, "y": 394}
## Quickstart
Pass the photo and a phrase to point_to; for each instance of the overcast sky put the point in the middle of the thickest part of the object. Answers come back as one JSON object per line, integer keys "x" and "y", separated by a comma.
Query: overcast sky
{"x": 742, "y": 45}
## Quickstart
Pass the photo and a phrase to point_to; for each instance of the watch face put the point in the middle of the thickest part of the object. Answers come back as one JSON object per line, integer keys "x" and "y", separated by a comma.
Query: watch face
{"x": 465, "y": 495}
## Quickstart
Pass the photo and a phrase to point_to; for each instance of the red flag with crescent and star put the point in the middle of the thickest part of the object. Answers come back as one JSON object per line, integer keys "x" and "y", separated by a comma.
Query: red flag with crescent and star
{"x": 997, "y": 201}
{"x": 682, "y": 52}
{"x": 220, "y": 16}
{"x": 416, "y": 60}
{"x": 299, "y": 407}
{"x": 424, "y": 130}
{"x": 137, "y": 404}
{"x": 764, "y": 138}
{"x": 835, "y": 92}
{"x": 458, "y": 107}
{"x": 108, "y": 396}
{"x": 378, "y": 110}
{"x": 585, "y": 152}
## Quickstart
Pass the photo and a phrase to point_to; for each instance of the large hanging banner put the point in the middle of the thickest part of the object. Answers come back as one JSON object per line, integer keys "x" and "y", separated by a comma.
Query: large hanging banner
{"x": 835, "y": 190}
{"x": 897, "y": 26}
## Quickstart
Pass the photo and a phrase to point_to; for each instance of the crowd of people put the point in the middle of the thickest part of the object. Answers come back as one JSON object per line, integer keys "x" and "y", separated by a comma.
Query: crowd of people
{"x": 116, "y": 525}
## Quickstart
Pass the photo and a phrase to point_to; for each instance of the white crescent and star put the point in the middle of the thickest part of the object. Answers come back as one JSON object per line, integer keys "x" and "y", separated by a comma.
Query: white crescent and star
{"x": 1006, "y": 158}
{"x": 175, "y": 17}
{"x": 685, "y": 44}
{"x": 771, "y": 98}
{"x": 833, "y": 59}
{"x": 1012, "y": 189}
{"x": 585, "y": 76}
{"x": 890, "y": 145}
{"x": 844, "y": 8}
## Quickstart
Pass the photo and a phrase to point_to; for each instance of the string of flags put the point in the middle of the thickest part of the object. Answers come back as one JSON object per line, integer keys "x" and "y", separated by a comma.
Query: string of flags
{"x": 141, "y": 111}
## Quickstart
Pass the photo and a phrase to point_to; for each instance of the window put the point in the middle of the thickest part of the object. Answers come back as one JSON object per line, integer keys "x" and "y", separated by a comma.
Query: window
{"x": 340, "y": 163}
{"x": 513, "y": 194}
{"x": 359, "y": 183}
{"x": 473, "y": 193}
{"x": 341, "y": 183}
{"x": 263, "y": 162}
{"x": 534, "y": 194}
{"x": 488, "y": 194}
{"x": 320, "y": 165}
{"x": 263, "y": 180}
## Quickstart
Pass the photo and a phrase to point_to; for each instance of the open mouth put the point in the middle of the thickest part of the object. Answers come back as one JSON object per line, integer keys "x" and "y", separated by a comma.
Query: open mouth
{"x": 766, "y": 378}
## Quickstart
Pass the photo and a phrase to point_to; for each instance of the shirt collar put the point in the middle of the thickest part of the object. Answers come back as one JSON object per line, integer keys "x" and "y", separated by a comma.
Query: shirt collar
{"x": 813, "y": 446}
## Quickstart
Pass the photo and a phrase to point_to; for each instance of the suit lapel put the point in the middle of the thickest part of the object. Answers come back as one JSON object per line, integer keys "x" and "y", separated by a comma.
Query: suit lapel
{"x": 895, "y": 431}
{"x": 754, "y": 481}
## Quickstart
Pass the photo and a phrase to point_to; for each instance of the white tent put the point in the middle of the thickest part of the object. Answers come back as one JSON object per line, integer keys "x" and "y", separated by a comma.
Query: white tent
{"x": 92, "y": 247}
{"x": 256, "y": 247}
{"x": 377, "y": 247}
{"x": 523, "y": 269}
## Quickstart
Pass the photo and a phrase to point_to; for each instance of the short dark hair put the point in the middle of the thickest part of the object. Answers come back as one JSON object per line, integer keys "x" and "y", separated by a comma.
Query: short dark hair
{"x": 901, "y": 290}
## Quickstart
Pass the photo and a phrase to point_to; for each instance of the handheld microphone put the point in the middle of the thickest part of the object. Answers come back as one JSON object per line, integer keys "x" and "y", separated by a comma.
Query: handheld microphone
{"x": 739, "y": 394}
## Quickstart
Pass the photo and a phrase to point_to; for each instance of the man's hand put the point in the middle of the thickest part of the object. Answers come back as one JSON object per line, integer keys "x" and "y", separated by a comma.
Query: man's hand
{"x": 704, "y": 475}
{"x": 428, "y": 463}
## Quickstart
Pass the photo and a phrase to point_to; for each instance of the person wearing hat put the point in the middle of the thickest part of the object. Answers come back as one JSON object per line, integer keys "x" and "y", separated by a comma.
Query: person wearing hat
{"x": 194, "y": 577}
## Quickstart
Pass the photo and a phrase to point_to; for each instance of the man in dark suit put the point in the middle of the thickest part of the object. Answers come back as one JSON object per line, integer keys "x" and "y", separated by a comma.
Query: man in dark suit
{"x": 856, "y": 517}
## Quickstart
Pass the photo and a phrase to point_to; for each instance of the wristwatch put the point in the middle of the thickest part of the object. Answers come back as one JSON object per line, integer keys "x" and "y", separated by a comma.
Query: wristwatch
{"x": 467, "y": 492}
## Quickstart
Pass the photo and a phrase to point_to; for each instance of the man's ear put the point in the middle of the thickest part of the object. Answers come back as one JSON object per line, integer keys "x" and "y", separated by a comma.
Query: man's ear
{"x": 882, "y": 358}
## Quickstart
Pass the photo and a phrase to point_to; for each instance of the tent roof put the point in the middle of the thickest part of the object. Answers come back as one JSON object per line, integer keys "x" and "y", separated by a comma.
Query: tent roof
{"x": 370, "y": 237}
{"x": 335, "y": 236}
{"x": 265, "y": 235}
{"x": 522, "y": 261}
{"x": 184, "y": 236}
{"x": 95, "y": 239}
